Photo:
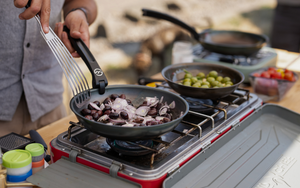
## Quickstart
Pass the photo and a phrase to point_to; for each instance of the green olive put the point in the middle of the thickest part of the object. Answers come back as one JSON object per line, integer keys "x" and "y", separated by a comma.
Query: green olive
{"x": 206, "y": 83}
{"x": 201, "y": 75}
{"x": 187, "y": 83}
{"x": 229, "y": 83}
{"x": 204, "y": 86}
{"x": 194, "y": 80}
{"x": 214, "y": 83}
{"x": 188, "y": 75}
{"x": 213, "y": 74}
{"x": 219, "y": 78}
{"x": 220, "y": 84}
{"x": 210, "y": 79}
{"x": 197, "y": 84}
{"x": 226, "y": 79}
{"x": 187, "y": 80}
{"x": 199, "y": 81}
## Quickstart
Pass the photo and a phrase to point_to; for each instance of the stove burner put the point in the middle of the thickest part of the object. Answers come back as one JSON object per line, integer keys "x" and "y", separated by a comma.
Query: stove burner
{"x": 131, "y": 148}
{"x": 256, "y": 58}
{"x": 198, "y": 105}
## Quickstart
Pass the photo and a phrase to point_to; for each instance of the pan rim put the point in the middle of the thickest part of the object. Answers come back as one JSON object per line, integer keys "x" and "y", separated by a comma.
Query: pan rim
{"x": 199, "y": 63}
{"x": 259, "y": 43}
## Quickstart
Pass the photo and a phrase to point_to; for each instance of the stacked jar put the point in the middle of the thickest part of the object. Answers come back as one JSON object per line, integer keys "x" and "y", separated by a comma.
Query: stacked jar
{"x": 37, "y": 153}
{"x": 18, "y": 165}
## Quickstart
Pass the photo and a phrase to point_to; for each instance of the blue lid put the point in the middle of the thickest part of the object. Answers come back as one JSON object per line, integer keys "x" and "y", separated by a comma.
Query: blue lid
{"x": 18, "y": 178}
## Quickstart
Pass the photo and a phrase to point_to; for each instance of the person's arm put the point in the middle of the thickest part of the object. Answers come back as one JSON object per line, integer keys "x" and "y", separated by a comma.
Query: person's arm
{"x": 89, "y": 6}
{"x": 77, "y": 21}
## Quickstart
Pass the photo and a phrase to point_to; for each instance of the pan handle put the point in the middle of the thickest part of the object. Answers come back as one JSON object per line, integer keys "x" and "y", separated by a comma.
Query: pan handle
{"x": 158, "y": 15}
{"x": 99, "y": 79}
{"x": 145, "y": 81}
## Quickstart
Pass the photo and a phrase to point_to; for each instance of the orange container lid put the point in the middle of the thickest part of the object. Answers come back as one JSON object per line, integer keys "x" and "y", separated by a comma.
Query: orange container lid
{"x": 38, "y": 163}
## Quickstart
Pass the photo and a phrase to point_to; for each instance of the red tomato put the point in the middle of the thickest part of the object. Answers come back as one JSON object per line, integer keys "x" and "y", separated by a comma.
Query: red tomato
{"x": 272, "y": 69}
{"x": 265, "y": 74}
{"x": 286, "y": 71}
{"x": 289, "y": 76}
{"x": 256, "y": 74}
{"x": 276, "y": 75}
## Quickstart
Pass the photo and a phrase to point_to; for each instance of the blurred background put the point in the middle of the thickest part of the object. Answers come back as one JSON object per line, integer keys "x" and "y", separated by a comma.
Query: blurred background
{"x": 121, "y": 38}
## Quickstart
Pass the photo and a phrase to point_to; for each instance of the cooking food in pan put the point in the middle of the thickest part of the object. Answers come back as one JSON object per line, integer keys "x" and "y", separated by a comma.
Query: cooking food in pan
{"x": 202, "y": 80}
{"x": 135, "y": 93}
{"x": 117, "y": 110}
{"x": 175, "y": 74}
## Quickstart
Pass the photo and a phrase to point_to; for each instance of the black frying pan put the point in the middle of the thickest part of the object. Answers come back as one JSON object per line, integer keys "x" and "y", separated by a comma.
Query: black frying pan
{"x": 173, "y": 74}
{"x": 219, "y": 41}
{"x": 133, "y": 92}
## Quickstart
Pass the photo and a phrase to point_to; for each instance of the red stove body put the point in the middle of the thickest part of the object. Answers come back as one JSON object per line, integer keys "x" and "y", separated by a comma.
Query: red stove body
{"x": 192, "y": 137}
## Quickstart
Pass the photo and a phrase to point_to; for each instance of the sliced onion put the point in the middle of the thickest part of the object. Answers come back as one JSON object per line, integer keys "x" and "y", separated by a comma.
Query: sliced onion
{"x": 102, "y": 106}
{"x": 159, "y": 118}
{"x": 103, "y": 118}
{"x": 94, "y": 106}
{"x": 181, "y": 114}
{"x": 161, "y": 99}
{"x": 151, "y": 100}
{"x": 128, "y": 125}
{"x": 153, "y": 104}
{"x": 163, "y": 110}
{"x": 142, "y": 111}
{"x": 119, "y": 104}
{"x": 148, "y": 118}
{"x": 130, "y": 108}
{"x": 172, "y": 105}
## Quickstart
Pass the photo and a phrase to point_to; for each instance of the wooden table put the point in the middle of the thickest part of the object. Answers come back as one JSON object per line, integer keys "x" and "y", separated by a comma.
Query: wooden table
{"x": 291, "y": 100}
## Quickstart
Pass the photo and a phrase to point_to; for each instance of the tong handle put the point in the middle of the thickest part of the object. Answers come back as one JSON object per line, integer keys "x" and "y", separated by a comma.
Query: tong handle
{"x": 28, "y": 4}
{"x": 99, "y": 79}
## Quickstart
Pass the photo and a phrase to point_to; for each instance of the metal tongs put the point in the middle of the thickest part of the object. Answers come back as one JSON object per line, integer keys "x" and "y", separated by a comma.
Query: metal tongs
{"x": 71, "y": 70}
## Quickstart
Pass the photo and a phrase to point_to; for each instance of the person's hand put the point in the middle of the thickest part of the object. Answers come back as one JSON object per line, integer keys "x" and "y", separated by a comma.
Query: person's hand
{"x": 79, "y": 28}
{"x": 41, "y": 7}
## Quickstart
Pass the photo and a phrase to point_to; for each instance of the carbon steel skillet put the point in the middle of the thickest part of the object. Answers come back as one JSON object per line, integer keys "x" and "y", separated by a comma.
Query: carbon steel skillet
{"x": 173, "y": 74}
{"x": 219, "y": 41}
{"x": 135, "y": 93}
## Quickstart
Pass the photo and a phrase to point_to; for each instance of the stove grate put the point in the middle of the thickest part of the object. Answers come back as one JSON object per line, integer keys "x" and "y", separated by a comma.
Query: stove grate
{"x": 194, "y": 126}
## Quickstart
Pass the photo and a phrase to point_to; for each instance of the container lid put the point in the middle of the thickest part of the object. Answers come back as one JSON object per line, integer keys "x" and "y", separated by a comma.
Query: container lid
{"x": 18, "y": 178}
{"x": 35, "y": 149}
{"x": 16, "y": 158}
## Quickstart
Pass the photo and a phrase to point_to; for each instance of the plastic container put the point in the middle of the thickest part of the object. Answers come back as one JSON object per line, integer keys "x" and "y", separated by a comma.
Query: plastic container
{"x": 270, "y": 89}
{"x": 19, "y": 179}
{"x": 37, "y": 153}
{"x": 17, "y": 162}
{"x": 37, "y": 166}
{"x": 36, "y": 150}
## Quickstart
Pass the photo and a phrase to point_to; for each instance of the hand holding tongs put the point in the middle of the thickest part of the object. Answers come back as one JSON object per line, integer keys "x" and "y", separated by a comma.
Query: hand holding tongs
{"x": 72, "y": 71}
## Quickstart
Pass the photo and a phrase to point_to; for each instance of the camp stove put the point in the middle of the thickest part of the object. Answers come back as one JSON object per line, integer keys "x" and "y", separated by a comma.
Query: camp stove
{"x": 263, "y": 58}
{"x": 148, "y": 163}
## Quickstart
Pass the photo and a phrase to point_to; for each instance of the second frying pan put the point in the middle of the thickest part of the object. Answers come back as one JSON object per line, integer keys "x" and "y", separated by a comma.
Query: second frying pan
{"x": 219, "y": 41}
